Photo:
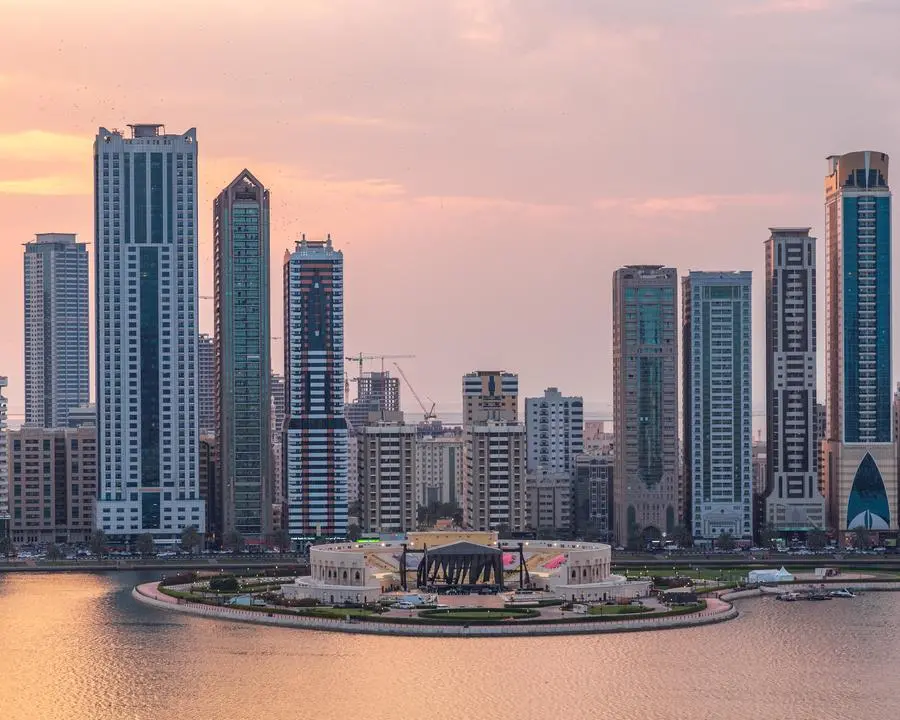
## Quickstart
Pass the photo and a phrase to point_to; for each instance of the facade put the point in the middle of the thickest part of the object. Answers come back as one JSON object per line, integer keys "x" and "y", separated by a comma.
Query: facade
{"x": 381, "y": 388}
{"x": 555, "y": 430}
{"x": 4, "y": 465}
{"x": 83, "y": 415}
{"x": 549, "y": 501}
{"x": 206, "y": 384}
{"x": 352, "y": 470}
{"x": 210, "y": 488}
{"x": 439, "y": 469}
{"x": 57, "y": 334}
{"x": 278, "y": 415}
{"x": 860, "y": 455}
{"x": 53, "y": 484}
{"x": 793, "y": 501}
{"x": 315, "y": 431}
{"x": 821, "y": 437}
{"x": 645, "y": 402}
{"x": 145, "y": 198}
{"x": 490, "y": 395}
{"x": 243, "y": 362}
{"x": 717, "y": 412}
{"x": 494, "y": 493}
{"x": 386, "y": 458}
{"x": 592, "y": 496}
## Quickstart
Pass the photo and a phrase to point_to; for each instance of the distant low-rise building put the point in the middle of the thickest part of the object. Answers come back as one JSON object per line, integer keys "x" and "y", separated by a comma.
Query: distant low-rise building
{"x": 549, "y": 501}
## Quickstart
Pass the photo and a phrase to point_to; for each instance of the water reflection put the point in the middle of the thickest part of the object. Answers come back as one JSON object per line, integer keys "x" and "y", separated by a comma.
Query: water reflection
{"x": 78, "y": 646}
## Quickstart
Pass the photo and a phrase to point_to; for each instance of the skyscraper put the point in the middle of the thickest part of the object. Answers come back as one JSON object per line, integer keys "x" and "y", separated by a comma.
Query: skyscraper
{"x": 277, "y": 422}
{"x": 4, "y": 462}
{"x": 57, "y": 336}
{"x": 645, "y": 402}
{"x": 717, "y": 405}
{"x": 145, "y": 200}
{"x": 860, "y": 456}
{"x": 793, "y": 501}
{"x": 555, "y": 431}
{"x": 206, "y": 384}
{"x": 243, "y": 364}
{"x": 316, "y": 455}
{"x": 387, "y": 477}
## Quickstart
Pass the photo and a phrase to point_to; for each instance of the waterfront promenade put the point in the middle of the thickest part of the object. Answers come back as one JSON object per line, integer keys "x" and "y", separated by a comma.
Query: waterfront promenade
{"x": 716, "y": 611}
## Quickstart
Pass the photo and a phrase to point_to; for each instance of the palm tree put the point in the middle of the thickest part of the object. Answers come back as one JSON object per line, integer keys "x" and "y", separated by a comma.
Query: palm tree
{"x": 861, "y": 537}
{"x": 725, "y": 542}
{"x": 234, "y": 541}
{"x": 815, "y": 539}
{"x": 98, "y": 543}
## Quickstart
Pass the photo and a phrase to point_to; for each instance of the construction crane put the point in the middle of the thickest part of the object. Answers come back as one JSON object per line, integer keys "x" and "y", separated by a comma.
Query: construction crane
{"x": 362, "y": 357}
{"x": 429, "y": 414}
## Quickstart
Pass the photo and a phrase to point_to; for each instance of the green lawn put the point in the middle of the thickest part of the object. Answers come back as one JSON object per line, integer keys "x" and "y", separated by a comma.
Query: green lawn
{"x": 336, "y": 612}
{"x": 618, "y": 609}
{"x": 479, "y": 615}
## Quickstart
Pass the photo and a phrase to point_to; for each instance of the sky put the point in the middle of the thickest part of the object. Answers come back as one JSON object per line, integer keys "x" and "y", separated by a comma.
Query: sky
{"x": 485, "y": 165}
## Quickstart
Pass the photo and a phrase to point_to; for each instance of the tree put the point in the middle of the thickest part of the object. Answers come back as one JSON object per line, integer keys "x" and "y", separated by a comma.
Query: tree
{"x": 191, "y": 539}
{"x": 816, "y": 539}
{"x": 145, "y": 545}
{"x": 767, "y": 536}
{"x": 98, "y": 543}
{"x": 726, "y": 542}
{"x": 353, "y": 532}
{"x": 861, "y": 537}
{"x": 54, "y": 554}
{"x": 681, "y": 536}
{"x": 635, "y": 537}
{"x": 458, "y": 518}
{"x": 6, "y": 546}
{"x": 234, "y": 541}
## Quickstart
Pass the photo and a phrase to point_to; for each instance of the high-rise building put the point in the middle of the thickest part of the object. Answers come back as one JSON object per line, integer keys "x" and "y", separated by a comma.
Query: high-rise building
{"x": 821, "y": 435}
{"x": 81, "y": 415}
{"x": 381, "y": 388}
{"x": 316, "y": 431}
{"x": 277, "y": 388}
{"x": 592, "y": 488}
{"x": 57, "y": 336}
{"x": 717, "y": 403}
{"x": 53, "y": 484}
{"x": 860, "y": 456}
{"x": 210, "y": 488}
{"x": 549, "y": 501}
{"x": 4, "y": 464}
{"x": 439, "y": 469}
{"x": 490, "y": 395}
{"x": 387, "y": 477}
{"x": 555, "y": 430}
{"x": 243, "y": 363}
{"x": 645, "y": 405}
{"x": 206, "y": 384}
{"x": 146, "y": 341}
{"x": 494, "y": 493}
{"x": 793, "y": 502}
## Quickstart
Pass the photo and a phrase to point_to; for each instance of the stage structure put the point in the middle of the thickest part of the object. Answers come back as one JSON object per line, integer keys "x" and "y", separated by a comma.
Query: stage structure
{"x": 463, "y": 564}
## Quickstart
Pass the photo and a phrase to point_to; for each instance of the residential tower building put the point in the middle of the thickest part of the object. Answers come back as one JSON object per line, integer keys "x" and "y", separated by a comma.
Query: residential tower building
{"x": 555, "y": 431}
{"x": 387, "y": 477}
{"x": 206, "y": 384}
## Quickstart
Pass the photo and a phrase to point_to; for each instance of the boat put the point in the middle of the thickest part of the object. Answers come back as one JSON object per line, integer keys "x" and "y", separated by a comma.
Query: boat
{"x": 842, "y": 593}
{"x": 817, "y": 596}
{"x": 788, "y": 596}
{"x": 769, "y": 590}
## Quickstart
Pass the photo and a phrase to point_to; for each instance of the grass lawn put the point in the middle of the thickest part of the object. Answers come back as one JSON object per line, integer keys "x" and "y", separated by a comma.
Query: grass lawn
{"x": 478, "y": 615}
{"x": 336, "y": 612}
{"x": 617, "y": 610}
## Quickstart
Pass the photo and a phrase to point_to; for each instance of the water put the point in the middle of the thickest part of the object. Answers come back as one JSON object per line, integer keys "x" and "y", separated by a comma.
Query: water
{"x": 78, "y": 646}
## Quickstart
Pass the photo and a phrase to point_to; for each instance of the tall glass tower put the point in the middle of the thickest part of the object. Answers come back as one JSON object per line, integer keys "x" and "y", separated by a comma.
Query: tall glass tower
{"x": 860, "y": 457}
{"x": 145, "y": 229}
{"x": 717, "y": 403}
{"x": 57, "y": 336}
{"x": 316, "y": 429}
{"x": 646, "y": 501}
{"x": 243, "y": 365}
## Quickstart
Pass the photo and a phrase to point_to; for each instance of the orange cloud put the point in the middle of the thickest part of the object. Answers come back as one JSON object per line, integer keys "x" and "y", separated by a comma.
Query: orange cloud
{"x": 35, "y": 145}
{"x": 691, "y": 204}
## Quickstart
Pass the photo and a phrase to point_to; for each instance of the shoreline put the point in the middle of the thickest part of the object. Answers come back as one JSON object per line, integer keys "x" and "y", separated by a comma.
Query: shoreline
{"x": 148, "y": 594}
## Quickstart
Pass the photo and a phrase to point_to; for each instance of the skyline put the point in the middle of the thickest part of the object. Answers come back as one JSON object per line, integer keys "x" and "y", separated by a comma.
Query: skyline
{"x": 490, "y": 140}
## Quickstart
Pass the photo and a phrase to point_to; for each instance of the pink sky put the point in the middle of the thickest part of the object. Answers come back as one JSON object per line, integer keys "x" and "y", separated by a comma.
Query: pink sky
{"x": 484, "y": 164}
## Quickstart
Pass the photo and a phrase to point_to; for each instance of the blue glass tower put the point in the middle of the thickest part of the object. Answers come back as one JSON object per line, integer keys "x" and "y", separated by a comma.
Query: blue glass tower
{"x": 860, "y": 456}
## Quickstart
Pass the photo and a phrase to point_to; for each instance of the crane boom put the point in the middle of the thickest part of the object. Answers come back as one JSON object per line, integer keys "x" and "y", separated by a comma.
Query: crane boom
{"x": 362, "y": 357}
{"x": 429, "y": 414}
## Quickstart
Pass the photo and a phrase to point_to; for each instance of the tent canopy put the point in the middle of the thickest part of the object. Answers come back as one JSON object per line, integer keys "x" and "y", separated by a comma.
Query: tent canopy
{"x": 770, "y": 575}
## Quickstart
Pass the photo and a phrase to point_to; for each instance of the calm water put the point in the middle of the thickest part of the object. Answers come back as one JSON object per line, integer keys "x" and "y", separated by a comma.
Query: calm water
{"x": 78, "y": 646}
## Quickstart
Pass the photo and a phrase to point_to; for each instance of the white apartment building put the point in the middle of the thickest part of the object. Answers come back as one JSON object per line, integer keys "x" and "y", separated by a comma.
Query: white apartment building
{"x": 439, "y": 469}
{"x": 549, "y": 500}
{"x": 494, "y": 493}
{"x": 206, "y": 388}
{"x": 555, "y": 425}
{"x": 57, "y": 336}
{"x": 146, "y": 339}
{"x": 717, "y": 377}
{"x": 387, "y": 477}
